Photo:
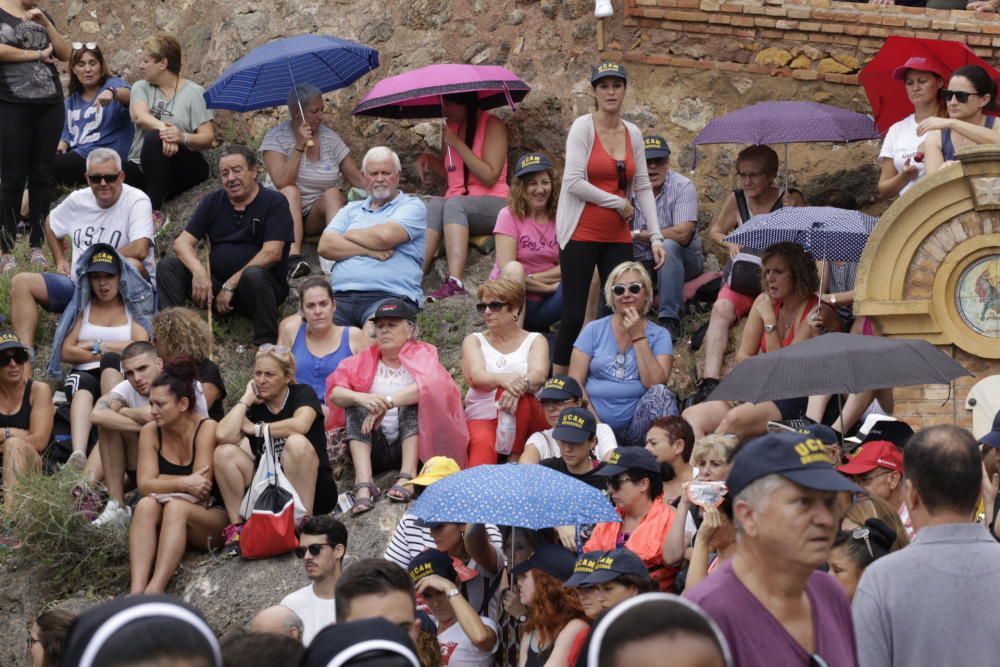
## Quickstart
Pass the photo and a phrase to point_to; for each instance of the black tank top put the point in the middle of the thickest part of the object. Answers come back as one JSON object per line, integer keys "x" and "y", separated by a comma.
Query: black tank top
{"x": 169, "y": 467}
{"x": 535, "y": 657}
{"x": 21, "y": 418}
{"x": 743, "y": 207}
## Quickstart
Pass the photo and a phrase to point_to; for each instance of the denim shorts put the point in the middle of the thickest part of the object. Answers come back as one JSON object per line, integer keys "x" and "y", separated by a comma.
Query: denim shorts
{"x": 60, "y": 290}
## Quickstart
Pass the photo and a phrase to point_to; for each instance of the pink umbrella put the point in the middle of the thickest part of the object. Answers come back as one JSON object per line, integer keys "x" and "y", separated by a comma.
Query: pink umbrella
{"x": 420, "y": 92}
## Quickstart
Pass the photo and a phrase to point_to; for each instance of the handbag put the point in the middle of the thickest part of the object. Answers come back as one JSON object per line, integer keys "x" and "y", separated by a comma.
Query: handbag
{"x": 744, "y": 274}
{"x": 270, "y": 508}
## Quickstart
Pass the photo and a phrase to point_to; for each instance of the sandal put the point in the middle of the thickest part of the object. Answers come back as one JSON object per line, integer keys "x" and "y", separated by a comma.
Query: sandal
{"x": 403, "y": 494}
{"x": 362, "y": 505}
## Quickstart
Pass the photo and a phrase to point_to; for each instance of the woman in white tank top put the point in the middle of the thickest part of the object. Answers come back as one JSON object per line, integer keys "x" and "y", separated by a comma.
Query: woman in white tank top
{"x": 94, "y": 344}
{"x": 503, "y": 367}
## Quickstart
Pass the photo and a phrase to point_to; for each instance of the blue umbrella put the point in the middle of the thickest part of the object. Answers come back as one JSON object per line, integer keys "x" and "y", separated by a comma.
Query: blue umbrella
{"x": 833, "y": 234}
{"x": 262, "y": 78}
{"x": 524, "y": 496}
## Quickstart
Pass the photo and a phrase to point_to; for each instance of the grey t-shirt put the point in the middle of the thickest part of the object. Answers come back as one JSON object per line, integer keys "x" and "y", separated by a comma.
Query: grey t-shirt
{"x": 186, "y": 109}
{"x": 313, "y": 177}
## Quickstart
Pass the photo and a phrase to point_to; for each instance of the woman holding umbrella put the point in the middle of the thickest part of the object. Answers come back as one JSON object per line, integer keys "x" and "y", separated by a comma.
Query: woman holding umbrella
{"x": 307, "y": 161}
{"x": 605, "y": 166}
{"x": 923, "y": 79}
{"x": 476, "y": 172}
{"x": 970, "y": 94}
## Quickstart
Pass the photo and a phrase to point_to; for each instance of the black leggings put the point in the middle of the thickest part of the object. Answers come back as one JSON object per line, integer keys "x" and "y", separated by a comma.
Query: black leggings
{"x": 578, "y": 260}
{"x": 169, "y": 176}
{"x": 29, "y": 136}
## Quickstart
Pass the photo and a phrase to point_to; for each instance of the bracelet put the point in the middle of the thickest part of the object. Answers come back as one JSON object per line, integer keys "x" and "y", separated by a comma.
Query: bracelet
{"x": 227, "y": 288}
{"x": 185, "y": 136}
{"x": 301, "y": 150}
{"x": 257, "y": 428}
{"x": 636, "y": 340}
{"x": 114, "y": 94}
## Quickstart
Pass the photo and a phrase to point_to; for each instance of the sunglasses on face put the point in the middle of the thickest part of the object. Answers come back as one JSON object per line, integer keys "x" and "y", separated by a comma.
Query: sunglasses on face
{"x": 103, "y": 178}
{"x": 76, "y": 46}
{"x": 313, "y": 549}
{"x": 493, "y": 306}
{"x": 615, "y": 483}
{"x": 620, "y": 168}
{"x": 960, "y": 95}
{"x": 18, "y": 357}
{"x": 619, "y": 289}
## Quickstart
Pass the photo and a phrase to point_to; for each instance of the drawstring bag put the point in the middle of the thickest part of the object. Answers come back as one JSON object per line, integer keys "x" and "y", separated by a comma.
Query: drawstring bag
{"x": 269, "y": 507}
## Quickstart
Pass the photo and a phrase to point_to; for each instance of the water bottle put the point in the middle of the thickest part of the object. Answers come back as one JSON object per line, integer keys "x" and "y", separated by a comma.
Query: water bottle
{"x": 506, "y": 429}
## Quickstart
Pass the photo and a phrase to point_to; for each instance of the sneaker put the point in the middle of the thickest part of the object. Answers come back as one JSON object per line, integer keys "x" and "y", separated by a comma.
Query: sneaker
{"x": 449, "y": 288}
{"x": 673, "y": 325}
{"x": 702, "y": 391}
{"x": 602, "y": 9}
{"x": 77, "y": 460}
{"x": 299, "y": 267}
{"x": 160, "y": 220}
{"x": 37, "y": 258}
{"x": 7, "y": 263}
{"x": 231, "y": 535}
{"x": 113, "y": 513}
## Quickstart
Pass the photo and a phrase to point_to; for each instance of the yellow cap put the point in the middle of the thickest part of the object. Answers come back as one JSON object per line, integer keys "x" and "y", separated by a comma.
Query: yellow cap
{"x": 436, "y": 468}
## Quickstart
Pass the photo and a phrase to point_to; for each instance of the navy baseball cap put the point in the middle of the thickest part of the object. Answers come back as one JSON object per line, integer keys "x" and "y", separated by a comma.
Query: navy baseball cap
{"x": 614, "y": 564}
{"x": 991, "y": 439}
{"x": 10, "y": 341}
{"x": 575, "y": 425}
{"x": 583, "y": 568}
{"x": 822, "y": 432}
{"x": 560, "y": 388}
{"x": 104, "y": 259}
{"x": 798, "y": 457}
{"x": 432, "y": 561}
{"x": 552, "y": 559}
{"x": 396, "y": 308}
{"x": 608, "y": 68}
{"x": 656, "y": 147}
{"x": 893, "y": 430}
{"x": 529, "y": 163}
{"x": 624, "y": 459}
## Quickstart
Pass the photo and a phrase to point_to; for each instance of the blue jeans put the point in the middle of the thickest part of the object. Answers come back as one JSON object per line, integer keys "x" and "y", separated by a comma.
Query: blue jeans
{"x": 682, "y": 264}
{"x": 540, "y": 315}
{"x": 354, "y": 309}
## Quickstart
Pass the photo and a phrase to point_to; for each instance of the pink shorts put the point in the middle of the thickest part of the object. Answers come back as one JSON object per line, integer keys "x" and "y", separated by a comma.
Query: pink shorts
{"x": 741, "y": 302}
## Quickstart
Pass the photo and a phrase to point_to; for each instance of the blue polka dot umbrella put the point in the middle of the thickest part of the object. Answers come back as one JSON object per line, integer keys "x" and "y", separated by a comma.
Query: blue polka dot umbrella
{"x": 832, "y": 234}
{"x": 524, "y": 496}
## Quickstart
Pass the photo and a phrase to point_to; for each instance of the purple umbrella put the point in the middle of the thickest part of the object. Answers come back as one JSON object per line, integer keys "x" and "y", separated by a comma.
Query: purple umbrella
{"x": 786, "y": 123}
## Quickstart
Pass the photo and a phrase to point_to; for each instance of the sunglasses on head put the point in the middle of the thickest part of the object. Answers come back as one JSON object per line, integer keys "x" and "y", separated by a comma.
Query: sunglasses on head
{"x": 76, "y": 46}
{"x": 620, "y": 168}
{"x": 615, "y": 483}
{"x": 493, "y": 306}
{"x": 961, "y": 95}
{"x": 17, "y": 356}
{"x": 270, "y": 347}
{"x": 619, "y": 289}
{"x": 103, "y": 178}
{"x": 313, "y": 549}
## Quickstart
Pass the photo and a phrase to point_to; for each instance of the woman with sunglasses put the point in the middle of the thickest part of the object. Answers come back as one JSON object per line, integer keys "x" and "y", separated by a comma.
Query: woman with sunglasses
{"x": 295, "y": 416}
{"x": 26, "y": 412}
{"x": 31, "y": 119}
{"x": 475, "y": 168}
{"x": 922, "y": 78}
{"x": 970, "y": 94}
{"x": 623, "y": 360}
{"x": 854, "y": 550}
{"x": 97, "y": 116}
{"x": 178, "y": 506}
{"x": 175, "y": 125}
{"x": 605, "y": 167}
{"x": 504, "y": 366}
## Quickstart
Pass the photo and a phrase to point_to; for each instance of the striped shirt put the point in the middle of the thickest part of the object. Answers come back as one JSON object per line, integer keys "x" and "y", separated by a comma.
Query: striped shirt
{"x": 676, "y": 203}
{"x": 410, "y": 540}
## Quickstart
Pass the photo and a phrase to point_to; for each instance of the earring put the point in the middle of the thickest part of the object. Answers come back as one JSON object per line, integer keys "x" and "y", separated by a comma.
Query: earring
{"x": 515, "y": 315}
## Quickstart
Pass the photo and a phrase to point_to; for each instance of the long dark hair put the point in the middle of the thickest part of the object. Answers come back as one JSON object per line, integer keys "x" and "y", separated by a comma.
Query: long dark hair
{"x": 981, "y": 81}
{"x": 471, "y": 103}
{"x": 75, "y": 87}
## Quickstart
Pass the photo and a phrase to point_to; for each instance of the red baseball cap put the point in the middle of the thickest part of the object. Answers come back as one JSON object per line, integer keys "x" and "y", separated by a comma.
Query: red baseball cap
{"x": 871, "y": 455}
{"x": 923, "y": 64}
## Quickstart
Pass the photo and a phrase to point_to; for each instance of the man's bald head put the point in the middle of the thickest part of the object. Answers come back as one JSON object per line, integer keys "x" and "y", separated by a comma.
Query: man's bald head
{"x": 279, "y": 621}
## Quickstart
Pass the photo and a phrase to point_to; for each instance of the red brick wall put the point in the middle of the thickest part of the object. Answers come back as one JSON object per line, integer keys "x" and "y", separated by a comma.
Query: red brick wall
{"x": 802, "y": 39}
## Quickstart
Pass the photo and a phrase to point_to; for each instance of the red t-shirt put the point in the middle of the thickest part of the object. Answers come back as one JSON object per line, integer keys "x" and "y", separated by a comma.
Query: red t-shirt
{"x": 597, "y": 223}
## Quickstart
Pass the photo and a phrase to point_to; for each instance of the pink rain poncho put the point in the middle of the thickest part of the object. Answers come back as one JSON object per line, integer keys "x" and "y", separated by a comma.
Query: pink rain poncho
{"x": 440, "y": 417}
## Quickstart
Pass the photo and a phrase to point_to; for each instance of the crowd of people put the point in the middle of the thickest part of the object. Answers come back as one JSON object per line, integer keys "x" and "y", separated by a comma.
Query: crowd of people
{"x": 581, "y": 314}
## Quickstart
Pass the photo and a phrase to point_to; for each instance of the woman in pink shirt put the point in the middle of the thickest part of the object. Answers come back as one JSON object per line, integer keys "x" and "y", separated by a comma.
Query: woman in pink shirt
{"x": 525, "y": 234}
{"x": 475, "y": 166}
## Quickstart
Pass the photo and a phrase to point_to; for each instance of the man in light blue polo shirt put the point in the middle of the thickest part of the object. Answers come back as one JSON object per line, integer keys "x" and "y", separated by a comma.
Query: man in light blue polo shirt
{"x": 377, "y": 244}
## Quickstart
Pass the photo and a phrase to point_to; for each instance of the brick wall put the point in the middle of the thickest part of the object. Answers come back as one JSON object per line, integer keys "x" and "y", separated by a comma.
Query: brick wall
{"x": 807, "y": 40}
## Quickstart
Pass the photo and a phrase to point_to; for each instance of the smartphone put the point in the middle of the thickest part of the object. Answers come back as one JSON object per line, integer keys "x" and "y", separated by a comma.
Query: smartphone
{"x": 345, "y": 501}
{"x": 706, "y": 494}
{"x": 256, "y": 391}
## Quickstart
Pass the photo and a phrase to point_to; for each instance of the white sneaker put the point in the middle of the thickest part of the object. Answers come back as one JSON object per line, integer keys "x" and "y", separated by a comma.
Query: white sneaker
{"x": 113, "y": 513}
{"x": 602, "y": 9}
{"x": 77, "y": 460}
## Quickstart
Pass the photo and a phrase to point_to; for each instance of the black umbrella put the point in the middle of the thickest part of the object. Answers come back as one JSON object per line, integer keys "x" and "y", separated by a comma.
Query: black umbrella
{"x": 837, "y": 363}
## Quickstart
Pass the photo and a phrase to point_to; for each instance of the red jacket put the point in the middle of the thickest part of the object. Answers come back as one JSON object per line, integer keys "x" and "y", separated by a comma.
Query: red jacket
{"x": 646, "y": 541}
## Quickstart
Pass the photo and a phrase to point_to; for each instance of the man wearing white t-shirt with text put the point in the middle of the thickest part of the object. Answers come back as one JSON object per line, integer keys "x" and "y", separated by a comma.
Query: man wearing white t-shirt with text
{"x": 322, "y": 546}
{"x": 107, "y": 212}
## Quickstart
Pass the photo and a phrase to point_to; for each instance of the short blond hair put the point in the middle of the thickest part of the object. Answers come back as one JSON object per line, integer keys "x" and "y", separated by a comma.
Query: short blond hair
{"x": 284, "y": 359}
{"x": 504, "y": 289}
{"x": 616, "y": 273}
{"x": 715, "y": 445}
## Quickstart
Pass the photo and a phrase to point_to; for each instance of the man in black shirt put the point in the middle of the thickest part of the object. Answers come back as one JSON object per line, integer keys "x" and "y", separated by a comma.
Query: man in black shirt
{"x": 249, "y": 228}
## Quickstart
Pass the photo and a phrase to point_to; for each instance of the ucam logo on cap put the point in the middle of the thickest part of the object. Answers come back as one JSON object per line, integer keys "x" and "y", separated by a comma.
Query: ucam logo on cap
{"x": 585, "y": 565}
{"x": 570, "y": 419}
{"x": 555, "y": 383}
{"x": 653, "y": 142}
{"x": 102, "y": 257}
{"x": 421, "y": 571}
{"x": 9, "y": 337}
{"x": 604, "y": 563}
{"x": 530, "y": 161}
{"x": 605, "y": 68}
{"x": 813, "y": 451}
{"x": 615, "y": 457}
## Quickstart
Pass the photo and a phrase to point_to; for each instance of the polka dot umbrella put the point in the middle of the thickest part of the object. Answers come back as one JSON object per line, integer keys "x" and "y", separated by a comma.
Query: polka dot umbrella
{"x": 829, "y": 233}
{"x": 524, "y": 496}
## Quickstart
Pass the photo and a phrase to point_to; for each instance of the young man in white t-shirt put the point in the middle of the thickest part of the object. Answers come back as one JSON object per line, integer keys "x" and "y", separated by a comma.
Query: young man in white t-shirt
{"x": 119, "y": 416}
{"x": 107, "y": 212}
{"x": 322, "y": 546}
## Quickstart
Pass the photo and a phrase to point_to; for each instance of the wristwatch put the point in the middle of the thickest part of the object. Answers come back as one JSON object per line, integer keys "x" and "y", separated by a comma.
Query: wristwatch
{"x": 452, "y": 593}
{"x": 227, "y": 288}
{"x": 833, "y": 299}
{"x": 95, "y": 347}
{"x": 769, "y": 328}
{"x": 6, "y": 433}
{"x": 523, "y": 618}
{"x": 388, "y": 399}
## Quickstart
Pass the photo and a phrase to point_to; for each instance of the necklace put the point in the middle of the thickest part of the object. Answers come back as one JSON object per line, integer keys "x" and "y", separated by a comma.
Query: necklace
{"x": 284, "y": 400}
